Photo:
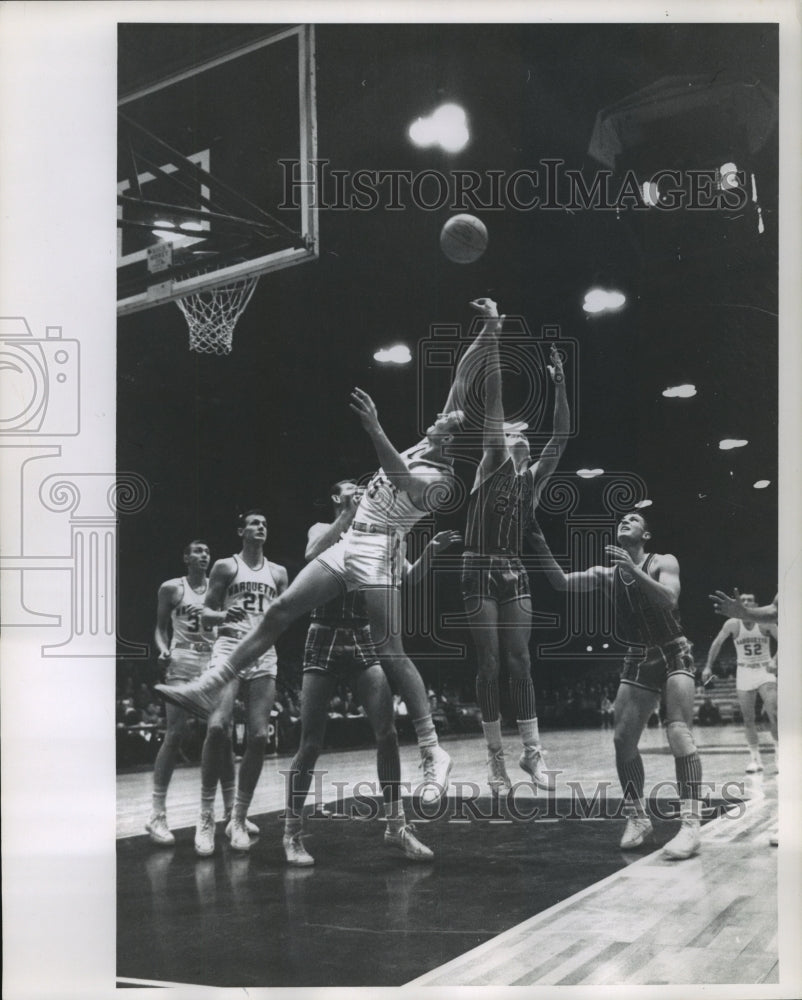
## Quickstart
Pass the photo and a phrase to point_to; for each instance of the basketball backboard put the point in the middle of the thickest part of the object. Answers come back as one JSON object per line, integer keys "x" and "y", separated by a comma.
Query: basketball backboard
{"x": 202, "y": 158}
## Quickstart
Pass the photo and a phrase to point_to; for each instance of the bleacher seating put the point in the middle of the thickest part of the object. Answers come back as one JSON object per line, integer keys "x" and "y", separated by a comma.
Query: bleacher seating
{"x": 721, "y": 692}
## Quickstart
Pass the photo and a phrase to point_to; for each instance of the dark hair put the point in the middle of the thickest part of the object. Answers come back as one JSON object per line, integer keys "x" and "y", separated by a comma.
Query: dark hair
{"x": 336, "y": 488}
{"x": 242, "y": 519}
{"x": 195, "y": 541}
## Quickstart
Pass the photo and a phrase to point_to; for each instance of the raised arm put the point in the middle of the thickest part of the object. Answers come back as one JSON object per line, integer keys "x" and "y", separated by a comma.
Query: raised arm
{"x": 733, "y": 607}
{"x": 552, "y": 453}
{"x": 441, "y": 541}
{"x": 467, "y": 366}
{"x": 727, "y": 632}
{"x": 392, "y": 462}
{"x": 494, "y": 445}
{"x": 322, "y": 536}
{"x": 590, "y": 579}
{"x": 167, "y": 600}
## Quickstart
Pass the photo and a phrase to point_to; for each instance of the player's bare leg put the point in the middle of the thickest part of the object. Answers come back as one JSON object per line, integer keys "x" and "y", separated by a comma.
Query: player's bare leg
{"x": 746, "y": 701}
{"x": 514, "y": 630}
{"x": 163, "y": 768}
{"x": 484, "y": 632}
{"x": 383, "y": 606}
{"x": 218, "y": 734}
{"x": 316, "y": 693}
{"x": 680, "y": 690}
{"x": 376, "y": 697}
{"x": 260, "y": 693}
{"x": 633, "y": 707}
{"x": 314, "y": 585}
{"x": 768, "y": 695}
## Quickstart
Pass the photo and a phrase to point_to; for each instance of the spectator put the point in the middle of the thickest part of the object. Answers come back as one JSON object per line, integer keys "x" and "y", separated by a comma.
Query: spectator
{"x": 607, "y": 712}
{"x": 709, "y": 714}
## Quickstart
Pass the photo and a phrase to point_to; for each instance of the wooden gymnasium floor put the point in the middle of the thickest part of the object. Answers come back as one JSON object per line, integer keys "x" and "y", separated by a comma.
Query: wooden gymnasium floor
{"x": 544, "y": 899}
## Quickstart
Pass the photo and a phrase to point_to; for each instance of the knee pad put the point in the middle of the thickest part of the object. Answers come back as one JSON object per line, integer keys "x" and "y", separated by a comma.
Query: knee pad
{"x": 680, "y": 739}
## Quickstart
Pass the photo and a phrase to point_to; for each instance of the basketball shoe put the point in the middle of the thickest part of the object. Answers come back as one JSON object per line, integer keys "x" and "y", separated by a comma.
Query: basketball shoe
{"x": 252, "y": 828}
{"x": 159, "y": 830}
{"x": 531, "y": 761}
{"x": 295, "y": 852}
{"x": 403, "y": 837}
{"x": 436, "y": 765}
{"x": 497, "y": 776}
{"x": 637, "y": 832}
{"x": 687, "y": 842}
{"x": 204, "y": 834}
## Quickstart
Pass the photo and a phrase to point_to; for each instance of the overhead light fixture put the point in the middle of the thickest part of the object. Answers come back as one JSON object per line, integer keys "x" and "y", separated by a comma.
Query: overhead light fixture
{"x": 728, "y": 177}
{"x": 641, "y": 504}
{"x": 680, "y": 391}
{"x": 397, "y": 355}
{"x": 729, "y": 443}
{"x": 651, "y": 194}
{"x": 599, "y": 300}
{"x": 589, "y": 473}
{"x": 446, "y": 127}
{"x": 761, "y": 484}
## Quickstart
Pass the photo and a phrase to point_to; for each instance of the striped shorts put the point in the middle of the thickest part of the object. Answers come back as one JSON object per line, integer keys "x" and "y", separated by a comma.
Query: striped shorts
{"x": 649, "y": 668}
{"x": 499, "y": 578}
{"x": 339, "y": 650}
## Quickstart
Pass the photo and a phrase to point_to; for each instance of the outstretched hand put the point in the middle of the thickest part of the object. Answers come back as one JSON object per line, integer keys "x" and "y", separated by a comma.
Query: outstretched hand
{"x": 556, "y": 366}
{"x": 364, "y": 407}
{"x": 726, "y": 606}
{"x": 444, "y": 539}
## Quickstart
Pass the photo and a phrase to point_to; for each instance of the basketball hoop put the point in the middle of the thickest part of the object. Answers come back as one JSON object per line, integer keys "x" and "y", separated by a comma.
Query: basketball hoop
{"x": 212, "y": 314}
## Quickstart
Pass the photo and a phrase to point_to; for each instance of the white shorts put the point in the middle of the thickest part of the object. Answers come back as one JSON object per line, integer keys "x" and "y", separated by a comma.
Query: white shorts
{"x": 751, "y": 678}
{"x": 185, "y": 664}
{"x": 361, "y": 559}
{"x": 265, "y": 666}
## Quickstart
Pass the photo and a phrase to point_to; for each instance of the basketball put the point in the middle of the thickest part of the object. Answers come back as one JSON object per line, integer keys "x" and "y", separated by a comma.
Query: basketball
{"x": 463, "y": 239}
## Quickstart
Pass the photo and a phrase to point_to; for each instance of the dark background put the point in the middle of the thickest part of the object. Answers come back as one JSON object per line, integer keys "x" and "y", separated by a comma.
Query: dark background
{"x": 269, "y": 426}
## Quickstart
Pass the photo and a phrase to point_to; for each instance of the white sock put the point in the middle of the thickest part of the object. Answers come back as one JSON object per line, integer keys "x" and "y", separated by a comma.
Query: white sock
{"x": 492, "y": 731}
{"x": 530, "y": 737}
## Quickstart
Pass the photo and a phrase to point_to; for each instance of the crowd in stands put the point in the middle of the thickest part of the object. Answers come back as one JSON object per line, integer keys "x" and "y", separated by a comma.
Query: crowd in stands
{"x": 565, "y": 699}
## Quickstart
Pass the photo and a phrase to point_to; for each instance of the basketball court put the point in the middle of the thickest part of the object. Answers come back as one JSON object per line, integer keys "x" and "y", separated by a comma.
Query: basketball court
{"x": 539, "y": 894}
{"x": 282, "y": 237}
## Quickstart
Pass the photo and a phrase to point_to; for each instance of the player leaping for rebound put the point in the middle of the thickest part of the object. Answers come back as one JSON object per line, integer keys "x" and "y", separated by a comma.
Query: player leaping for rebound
{"x": 495, "y": 583}
{"x": 371, "y": 555}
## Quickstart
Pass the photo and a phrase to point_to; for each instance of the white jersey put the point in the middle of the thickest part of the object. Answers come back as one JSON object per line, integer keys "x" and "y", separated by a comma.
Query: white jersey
{"x": 188, "y": 631}
{"x": 752, "y": 647}
{"x": 386, "y": 507}
{"x": 254, "y": 590}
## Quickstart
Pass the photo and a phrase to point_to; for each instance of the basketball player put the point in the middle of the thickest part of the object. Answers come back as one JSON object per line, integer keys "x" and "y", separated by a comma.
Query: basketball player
{"x": 184, "y": 646}
{"x": 321, "y": 537}
{"x": 645, "y": 588}
{"x": 756, "y": 673}
{"x": 339, "y": 645}
{"x": 370, "y": 556}
{"x": 495, "y": 584}
{"x": 240, "y": 589}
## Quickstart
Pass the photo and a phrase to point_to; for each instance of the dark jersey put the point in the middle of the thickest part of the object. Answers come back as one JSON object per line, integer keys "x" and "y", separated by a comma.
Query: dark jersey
{"x": 639, "y": 618}
{"x": 500, "y": 511}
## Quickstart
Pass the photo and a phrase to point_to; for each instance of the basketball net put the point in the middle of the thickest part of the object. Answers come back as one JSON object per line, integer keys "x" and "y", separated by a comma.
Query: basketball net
{"x": 211, "y": 315}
